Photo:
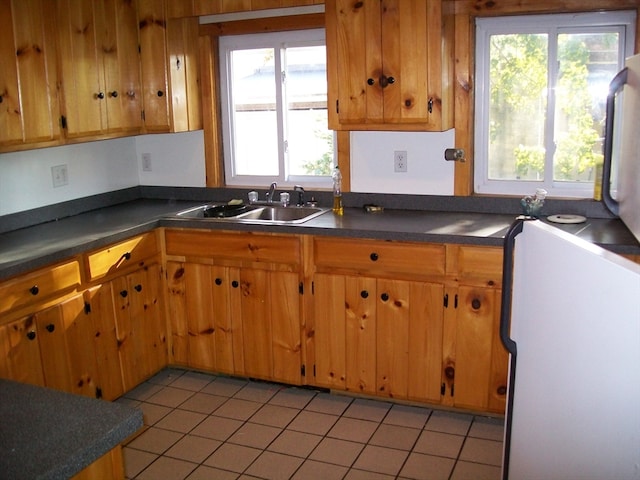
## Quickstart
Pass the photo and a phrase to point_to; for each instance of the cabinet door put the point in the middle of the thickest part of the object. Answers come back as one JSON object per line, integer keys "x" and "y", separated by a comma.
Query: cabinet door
{"x": 345, "y": 332}
{"x": 20, "y": 352}
{"x": 201, "y": 324}
{"x": 153, "y": 56}
{"x": 100, "y": 72}
{"x": 389, "y": 64}
{"x": 100, "y": 310}
{"x": 409, "y": 339}
{"x": 29, "y": 110}
{"x": 354, "y": 60}
{"x": 270, "y": 315}
{"x": 475, "y": 361}
{"x": 405, "y": 60}
{"x": 140, "y": 326}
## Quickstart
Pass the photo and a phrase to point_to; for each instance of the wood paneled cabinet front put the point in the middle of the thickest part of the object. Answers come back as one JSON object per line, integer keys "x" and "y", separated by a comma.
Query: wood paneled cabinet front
{"x": 100, "y": 65}
{"x": 475, "y": 362}
{"x": 389, "y": 65}
{"x": 234, "y": 303}
{"x": 378, "y": 317}
{"x": 29, "y": 109}
{"x": 170, "y": 69}
{"x": 126, "y": 279}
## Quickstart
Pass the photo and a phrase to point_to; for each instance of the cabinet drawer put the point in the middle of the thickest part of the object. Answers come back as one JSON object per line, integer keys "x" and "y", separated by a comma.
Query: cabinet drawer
{"x": 380, "y": 256}
{"x": 243, "y": 246}
{"x": 474, "y": 263}
{"x": 38, "y": 285}
{"x": 120, "y": 256}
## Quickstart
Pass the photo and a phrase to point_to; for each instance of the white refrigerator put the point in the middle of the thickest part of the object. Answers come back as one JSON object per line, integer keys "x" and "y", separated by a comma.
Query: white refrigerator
{"x": 571, "y": 323}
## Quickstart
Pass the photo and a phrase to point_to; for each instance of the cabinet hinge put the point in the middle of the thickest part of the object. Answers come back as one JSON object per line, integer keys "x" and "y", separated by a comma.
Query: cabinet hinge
{"x": 314, "y": 369}
{"x": 142, "y": 115}
{"x": 430, "y": 105}
{"x": 455, "y": 301}
{"x": 452, "y": 385}
{"x": 87, "y": 308}
{"x": 443, "y": 389}
{"x": 63, "y": 122}
{"x": 338, "y": 106}
{"x": 446, "y": 300}
{"x": 301, "y": 288}
{"x": 303, "y": 371}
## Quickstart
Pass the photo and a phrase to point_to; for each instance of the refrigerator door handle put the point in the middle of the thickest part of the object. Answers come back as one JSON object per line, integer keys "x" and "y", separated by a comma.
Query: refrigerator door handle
{"x": 505, "y": 322}
{"x": 616, "y": 85}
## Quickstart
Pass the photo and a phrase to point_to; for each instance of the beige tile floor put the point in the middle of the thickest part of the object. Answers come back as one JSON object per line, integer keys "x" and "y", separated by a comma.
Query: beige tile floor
{"x": 201, "y": 426}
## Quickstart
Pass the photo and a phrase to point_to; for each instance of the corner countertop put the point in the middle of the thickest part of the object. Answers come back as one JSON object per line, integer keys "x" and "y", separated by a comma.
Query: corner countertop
{"x": 47, "y": 434}
{"x": 45, "y": 243}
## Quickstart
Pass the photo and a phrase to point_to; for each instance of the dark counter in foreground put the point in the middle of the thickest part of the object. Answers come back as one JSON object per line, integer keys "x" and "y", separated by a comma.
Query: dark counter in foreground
{"x": 47, "y": 434}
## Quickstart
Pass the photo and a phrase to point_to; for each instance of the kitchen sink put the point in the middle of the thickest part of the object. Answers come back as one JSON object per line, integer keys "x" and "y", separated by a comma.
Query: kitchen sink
{"x": 264, "y": 214}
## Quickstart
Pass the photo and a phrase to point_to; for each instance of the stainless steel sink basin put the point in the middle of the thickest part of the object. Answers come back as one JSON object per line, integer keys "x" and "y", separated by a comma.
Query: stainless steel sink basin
{"x": 264, "y": 214}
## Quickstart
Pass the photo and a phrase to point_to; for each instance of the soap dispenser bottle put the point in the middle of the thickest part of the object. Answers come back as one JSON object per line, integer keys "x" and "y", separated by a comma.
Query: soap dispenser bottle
{"x": 338, "y": 208}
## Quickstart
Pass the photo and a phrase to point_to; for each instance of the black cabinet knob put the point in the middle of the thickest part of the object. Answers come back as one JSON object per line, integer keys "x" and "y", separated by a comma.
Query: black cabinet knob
{"x": 218, "y": 281}
{"x": 450, "y": 372}
{"x": 235, "y": 284}
{"x": 1, "y": 98}
{"x": 113, "y": 94}
{"x": 34, "y": 290}
{"x": 391, "y": 80}
{"x": 370, "y": 81}
{"x": 384, "y": 297}
{"x": 100, "y": 95}
{"x": 364, "y": 294}
{"x": 124, "y": 294}
{"x": 374, "y": 257}
{"x": 160, "y": 93}
{"x": 31, "y": 335}
{"x": 138, "y": 288}
{"x": 50, "y": 328}
{"x": 476, "y": 304}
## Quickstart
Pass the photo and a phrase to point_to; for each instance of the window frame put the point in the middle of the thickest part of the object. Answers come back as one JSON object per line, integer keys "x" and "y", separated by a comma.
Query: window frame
{"x": 552, "y": 25}
{"x": 277, "y": 40}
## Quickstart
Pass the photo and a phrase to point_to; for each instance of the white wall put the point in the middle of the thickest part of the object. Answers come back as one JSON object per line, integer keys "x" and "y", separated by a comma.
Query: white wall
{"x": 178, "y": 160}
{"x": 99, "y": 167}
{"x": 428, "y": 173}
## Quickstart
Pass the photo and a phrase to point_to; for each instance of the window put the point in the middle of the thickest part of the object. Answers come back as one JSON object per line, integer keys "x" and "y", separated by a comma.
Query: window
{"x": 274, "y": 109}
{"x": 542, "y": 83}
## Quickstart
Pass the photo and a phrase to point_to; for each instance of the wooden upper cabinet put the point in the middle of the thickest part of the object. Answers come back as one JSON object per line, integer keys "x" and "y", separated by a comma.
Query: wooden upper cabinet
{"x": 29, "y": 111}
{"x": 389, "y": 65}
{"x": 170, "y": 69}
{"x": 99, "y": 61}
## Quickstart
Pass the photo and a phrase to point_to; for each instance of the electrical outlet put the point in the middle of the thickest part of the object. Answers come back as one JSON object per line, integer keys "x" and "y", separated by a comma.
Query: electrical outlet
{"x": 146, "y": 162}
{"x": 59, "y": 175}
{"x": 400, "y": 161}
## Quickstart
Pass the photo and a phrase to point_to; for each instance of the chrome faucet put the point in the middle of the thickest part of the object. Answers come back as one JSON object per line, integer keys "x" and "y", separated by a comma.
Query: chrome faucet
{"x": 271, "y": 192}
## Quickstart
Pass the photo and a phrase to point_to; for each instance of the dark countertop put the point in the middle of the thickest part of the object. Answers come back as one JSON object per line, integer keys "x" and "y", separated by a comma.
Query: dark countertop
{"x": 42, "y": 244}
{"x": 47, "y": 434}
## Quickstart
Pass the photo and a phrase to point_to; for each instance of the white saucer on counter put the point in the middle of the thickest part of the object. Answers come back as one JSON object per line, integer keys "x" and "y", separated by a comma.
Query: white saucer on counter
{"x": 566, "y": 218}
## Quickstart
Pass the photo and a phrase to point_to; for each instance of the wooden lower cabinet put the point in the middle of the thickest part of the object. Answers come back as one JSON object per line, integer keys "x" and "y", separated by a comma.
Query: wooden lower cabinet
{"x": 69, "y": 346}
{"x": 20, "y": 352}
{"x": 242, "y": 321}
{"x": 378, "y": 336}
{"x": 140, "y": 326}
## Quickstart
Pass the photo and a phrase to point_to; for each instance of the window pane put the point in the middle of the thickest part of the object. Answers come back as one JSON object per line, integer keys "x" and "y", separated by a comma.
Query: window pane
{"x": 254, "y": 111}
{"x": 586, "y": 65}
{"x": 310, "y": 144}
{"x": 517, "y": 105}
